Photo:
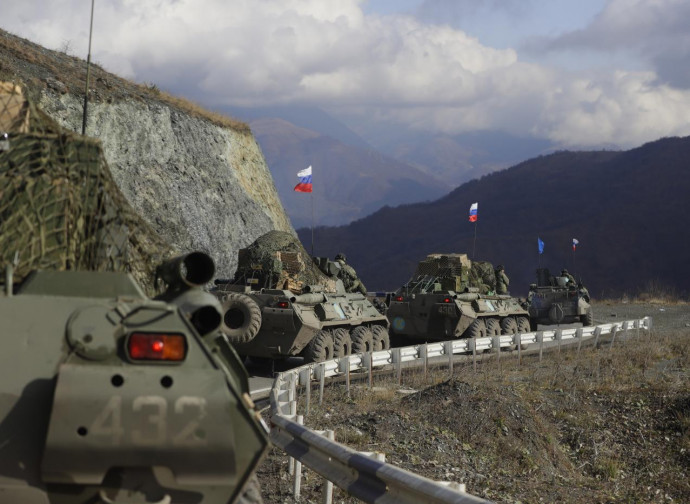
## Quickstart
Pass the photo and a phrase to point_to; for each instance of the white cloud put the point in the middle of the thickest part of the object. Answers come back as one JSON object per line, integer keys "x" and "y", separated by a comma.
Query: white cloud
{"x": 655, "y": 31}
{"x": 262, "y": 52}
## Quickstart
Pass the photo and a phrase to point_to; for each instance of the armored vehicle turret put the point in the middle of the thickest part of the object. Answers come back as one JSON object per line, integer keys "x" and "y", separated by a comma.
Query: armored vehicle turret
{"x": 450, "y": 297}
{"x": 282, "y": 302}
{"x": 109, "y": 396}
{"x": 558, "y": 300}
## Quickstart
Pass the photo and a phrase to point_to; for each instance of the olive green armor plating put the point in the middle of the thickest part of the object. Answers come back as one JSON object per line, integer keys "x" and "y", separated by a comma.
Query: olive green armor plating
{"x": 452, "y": 297}
{"x": 109, "y": 396}
{"x": 283, "y": 303}
{"x": 558, "y": 300}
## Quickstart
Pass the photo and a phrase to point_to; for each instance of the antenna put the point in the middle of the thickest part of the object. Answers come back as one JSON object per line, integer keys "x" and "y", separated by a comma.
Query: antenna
{"x": 88, "y": 72}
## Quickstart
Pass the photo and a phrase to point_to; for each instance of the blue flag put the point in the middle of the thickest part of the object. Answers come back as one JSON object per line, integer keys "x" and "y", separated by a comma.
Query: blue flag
{"x": 540, "y": 244}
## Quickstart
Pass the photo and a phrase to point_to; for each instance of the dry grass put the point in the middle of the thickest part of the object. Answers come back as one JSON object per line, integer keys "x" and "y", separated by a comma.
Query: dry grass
{"x": 604, "y": 425}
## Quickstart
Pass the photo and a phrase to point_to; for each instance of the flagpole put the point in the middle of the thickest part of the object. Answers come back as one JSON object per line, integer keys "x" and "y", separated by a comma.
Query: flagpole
{"x": 312, "y": 223}
{"x": 474, "y": 243}
{"x": 574, "y": 267}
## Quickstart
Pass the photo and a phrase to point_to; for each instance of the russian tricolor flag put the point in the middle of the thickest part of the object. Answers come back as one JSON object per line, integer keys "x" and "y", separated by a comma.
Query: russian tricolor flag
{"x": 576, "y": 242}
{"x": 473, "y": 212}
{"x": 304, "y": 180}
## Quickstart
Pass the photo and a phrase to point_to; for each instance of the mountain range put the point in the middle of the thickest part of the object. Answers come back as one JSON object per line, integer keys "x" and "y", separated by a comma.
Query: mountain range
{"x": 358, "y": 172}
{"x": 629, "y": 210}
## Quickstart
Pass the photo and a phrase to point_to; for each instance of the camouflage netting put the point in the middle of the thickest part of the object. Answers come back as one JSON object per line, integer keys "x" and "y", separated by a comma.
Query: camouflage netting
{"x": 280, "y": 261}
{"x": 59, "y": 206}
{"x": 478, "y": 274}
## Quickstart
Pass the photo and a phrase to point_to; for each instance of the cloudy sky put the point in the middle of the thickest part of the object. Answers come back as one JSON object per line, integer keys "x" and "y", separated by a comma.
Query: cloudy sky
{"x": 578, "y": 72}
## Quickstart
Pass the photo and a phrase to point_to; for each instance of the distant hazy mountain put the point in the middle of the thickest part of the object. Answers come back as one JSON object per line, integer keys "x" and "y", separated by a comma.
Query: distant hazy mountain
{"x": 349, "y": 182}
{"x": 421, "y": 165}
{"x": 311, "y": 118}
{"x": 629, "y": 210}
{"x": 455, "y": 159}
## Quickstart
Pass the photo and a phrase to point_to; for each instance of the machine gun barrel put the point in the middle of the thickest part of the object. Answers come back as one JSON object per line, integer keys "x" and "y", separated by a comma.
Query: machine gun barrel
{"x": 192, "y": 270}
{"x": 467, "y": 296}
{"x": 312, "y": 298}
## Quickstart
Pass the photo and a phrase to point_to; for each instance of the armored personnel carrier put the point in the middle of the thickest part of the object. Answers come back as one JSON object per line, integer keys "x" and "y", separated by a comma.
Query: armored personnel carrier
{"x": 283, "y": 303}
{"x": 109, "y": 396}
{"x": 450, "y": 297}
{"x": 558, "y": 300}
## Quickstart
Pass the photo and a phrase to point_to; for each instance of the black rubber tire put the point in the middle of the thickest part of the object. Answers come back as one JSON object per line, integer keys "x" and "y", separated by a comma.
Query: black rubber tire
{"x": 523, "y": 325}
{"x": 556, "y": 314}
{"x": 588, "y": 318}
{"x": 342, "y": 343}
{"x": 493, "y": 327}
{"x": 251, "y": 493}
{"x": 362, "y": 340}
{"x": 241, "y": 317}
{"x": 509, "y": 325}
{"x": 320, "y": 348}
{"x": 382, "y": 340}
{"x": 477, "y": 329}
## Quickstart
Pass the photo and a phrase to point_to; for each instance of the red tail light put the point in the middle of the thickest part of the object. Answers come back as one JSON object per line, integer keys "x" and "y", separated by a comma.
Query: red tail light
{"x": 283, "y": 304}
{"x": 447, "y": 300}
{"x": 156, "y": 346}
{"x": 399, "y": 298}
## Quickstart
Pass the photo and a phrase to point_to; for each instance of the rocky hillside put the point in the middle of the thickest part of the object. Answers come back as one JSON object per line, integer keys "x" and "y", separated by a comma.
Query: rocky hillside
{"x": 199, "y": 179}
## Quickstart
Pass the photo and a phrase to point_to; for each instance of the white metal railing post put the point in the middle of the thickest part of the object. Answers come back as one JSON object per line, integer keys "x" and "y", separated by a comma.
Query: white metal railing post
{"x": 305, "y": 377}
{"x": 425, "y": 356}
{"x": 496, "y": 344}
{"x": 597, "y": 333}
{"x": 614, "y": 331}
{"x": 448, "y": 348}
{"x": 322, "y": 380}
{"x": 327, "y": 492}
{"x": 540, "y": 340}
{"x": 344, "y": 367}
{"x": 297, "y": 481}
{"x": 578, "y": 335}
{"x": 397, "y": 360}
{"x": 473, "y": 347}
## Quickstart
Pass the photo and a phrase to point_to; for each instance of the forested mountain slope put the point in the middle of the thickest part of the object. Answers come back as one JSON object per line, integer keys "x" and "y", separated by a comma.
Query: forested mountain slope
{"x": 629, "y": 210}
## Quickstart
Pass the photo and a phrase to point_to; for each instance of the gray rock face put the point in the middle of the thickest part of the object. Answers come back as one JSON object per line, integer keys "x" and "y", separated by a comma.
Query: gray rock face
{"x": 201, "y": 186}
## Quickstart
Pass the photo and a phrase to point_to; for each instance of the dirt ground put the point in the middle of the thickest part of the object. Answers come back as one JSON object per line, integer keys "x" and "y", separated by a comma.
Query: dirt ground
{"x": 602, "y": 425}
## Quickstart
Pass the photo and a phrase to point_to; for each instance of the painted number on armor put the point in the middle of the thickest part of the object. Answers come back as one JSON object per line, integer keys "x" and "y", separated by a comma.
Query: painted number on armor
{"x": 149, "y": 415}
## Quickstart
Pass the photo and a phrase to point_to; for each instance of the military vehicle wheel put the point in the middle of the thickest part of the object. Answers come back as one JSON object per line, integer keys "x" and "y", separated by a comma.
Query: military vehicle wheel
{"x": 342, "y": 343}
{"x": 241, "y": 319}
{"x": 381, "y": 339}
{"x": 493, "y": 327}
{"x": 362, "y": 340}
{"x": 588, "y": 318}
{"x": 320, "y": 348}
{"x": 556, "y": 314}
{"x": 477, "y": 329}
{"x": 523, "y": 325}
{"x": 509, "y": 325}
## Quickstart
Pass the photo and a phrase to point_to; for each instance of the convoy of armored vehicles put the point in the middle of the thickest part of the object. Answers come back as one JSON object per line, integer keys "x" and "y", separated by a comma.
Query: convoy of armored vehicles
{"x": 109, "y": 395}
{"x": 284, "y": 303}
{"x": 450, "y": 296}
